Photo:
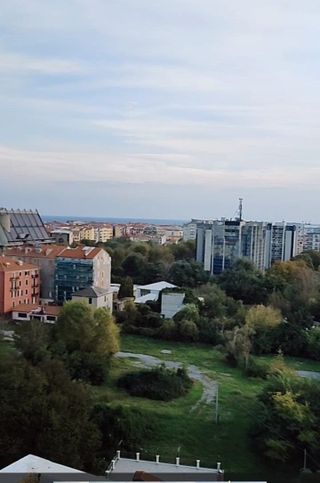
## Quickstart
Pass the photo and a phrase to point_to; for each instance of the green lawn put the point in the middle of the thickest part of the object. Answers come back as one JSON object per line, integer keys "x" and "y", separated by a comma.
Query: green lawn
{"x": 196, "y": 433}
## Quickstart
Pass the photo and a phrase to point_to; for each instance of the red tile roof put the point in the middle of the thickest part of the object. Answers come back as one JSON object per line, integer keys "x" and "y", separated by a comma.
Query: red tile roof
{"x": 45, "y": 251}
{"x": 83, "y": 253}
{"x": 8, "y": 264}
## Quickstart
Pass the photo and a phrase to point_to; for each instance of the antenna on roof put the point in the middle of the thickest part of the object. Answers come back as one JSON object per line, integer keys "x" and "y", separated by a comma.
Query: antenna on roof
{"x": 240, "y": 208}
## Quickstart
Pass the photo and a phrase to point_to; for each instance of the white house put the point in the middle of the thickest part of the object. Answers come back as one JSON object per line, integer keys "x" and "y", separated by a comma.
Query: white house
{"x": 151, "y": 292}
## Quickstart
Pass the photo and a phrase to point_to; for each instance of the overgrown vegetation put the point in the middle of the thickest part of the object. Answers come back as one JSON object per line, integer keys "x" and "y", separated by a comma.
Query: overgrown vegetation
{"x": 158, "y": 383}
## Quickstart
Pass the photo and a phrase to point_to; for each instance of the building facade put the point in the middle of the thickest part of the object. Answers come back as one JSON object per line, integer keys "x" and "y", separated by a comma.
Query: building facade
{"x": 81, "y": 267}
{"x": 282, "y": 242}
{"x": 219, "y": 243}
{"x": 19, "y": 284}
{"x": 95, "y": 296}
{"x": 44, "y": 257}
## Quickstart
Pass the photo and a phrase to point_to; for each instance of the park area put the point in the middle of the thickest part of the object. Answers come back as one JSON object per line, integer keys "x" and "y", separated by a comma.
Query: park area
{"x": 187, "y": 426}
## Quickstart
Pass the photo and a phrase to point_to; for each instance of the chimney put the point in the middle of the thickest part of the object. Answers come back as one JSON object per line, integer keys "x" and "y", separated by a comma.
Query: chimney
{"x": 5, "y": 221}
{"x": 157, "y": 458}
{"x": 177, "y": 461}
{"x": 137, "y": 456}
{"x": 113, "y": 464}
{"x": 219, "y": 467}
{"x": 198, "y": 464}
{"x": 118, "y": 454}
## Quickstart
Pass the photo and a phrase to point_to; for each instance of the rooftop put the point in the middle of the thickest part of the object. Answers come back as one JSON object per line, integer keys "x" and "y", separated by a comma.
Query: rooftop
{"x": 93, "y": 292}
{"x": 157, "y": 286}
{"x": 43, "y": 251}
{"x": 83, "y": 253}
{"x": 8, "y": 264}
{"x": 126, "y": 466}
{"x": 20, "y": 226}
{"x": 35, "y": 464}
{"x": 40, "y": 309}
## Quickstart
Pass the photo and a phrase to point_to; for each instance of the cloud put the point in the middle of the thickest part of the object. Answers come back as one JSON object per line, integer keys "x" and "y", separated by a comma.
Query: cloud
{"x": 188, "y": 93}
{"x": 18, "y": 63}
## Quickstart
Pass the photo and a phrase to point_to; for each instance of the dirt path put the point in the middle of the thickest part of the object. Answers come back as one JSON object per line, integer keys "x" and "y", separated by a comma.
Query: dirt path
{"x": 209, "y": 386}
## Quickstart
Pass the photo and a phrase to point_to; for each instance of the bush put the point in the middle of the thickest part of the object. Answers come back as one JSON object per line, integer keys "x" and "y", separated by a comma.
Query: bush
{"x": 159, "y": 383}
{"x": 257, "y": 369}
{"x": 168, "y": 330}
{"x": 130, "y": 426}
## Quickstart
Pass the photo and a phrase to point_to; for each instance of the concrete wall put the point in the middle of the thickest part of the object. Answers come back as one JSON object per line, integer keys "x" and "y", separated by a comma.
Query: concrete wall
{"x": 171, "y": 303}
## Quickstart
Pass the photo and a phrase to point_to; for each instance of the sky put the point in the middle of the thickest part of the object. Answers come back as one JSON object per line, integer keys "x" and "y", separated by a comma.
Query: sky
{"x": 161, "y": 108}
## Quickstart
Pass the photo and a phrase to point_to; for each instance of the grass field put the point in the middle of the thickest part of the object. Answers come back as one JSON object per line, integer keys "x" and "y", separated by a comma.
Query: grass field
{"x": 194, "y": 434}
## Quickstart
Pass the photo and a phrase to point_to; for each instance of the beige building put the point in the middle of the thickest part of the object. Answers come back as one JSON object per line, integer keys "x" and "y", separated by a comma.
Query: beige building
{"x": 95, "y": 296}
{"x": 104, "y": 233}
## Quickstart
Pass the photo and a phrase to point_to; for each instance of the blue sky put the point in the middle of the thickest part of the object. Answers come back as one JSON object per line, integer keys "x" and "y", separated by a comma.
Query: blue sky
{"x": 161, "y": 108}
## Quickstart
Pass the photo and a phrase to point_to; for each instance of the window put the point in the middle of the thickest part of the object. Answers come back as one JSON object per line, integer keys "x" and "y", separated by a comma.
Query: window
{"x": 26, "y": 273}
{"x": 27, "y": 282}
{"x": 22, "y": 315}
{"x": 52, "y": 318}
{"x": 26, "y": 292}
{"x": 90, "y": 300}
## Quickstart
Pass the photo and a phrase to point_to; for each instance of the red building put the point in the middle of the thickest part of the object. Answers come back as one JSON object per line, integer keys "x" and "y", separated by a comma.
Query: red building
{"x": 19, "y": 284}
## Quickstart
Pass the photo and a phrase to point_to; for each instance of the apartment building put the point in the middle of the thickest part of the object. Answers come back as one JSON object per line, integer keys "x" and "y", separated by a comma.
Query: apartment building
{"x": 220, "y": 243}
{"x": 43, "y": 257}
{"x": 104, "y": 233}
{"x": 282, "y": 242}
{"x": 19, "y": 284}
{"x": 81, "y": 267}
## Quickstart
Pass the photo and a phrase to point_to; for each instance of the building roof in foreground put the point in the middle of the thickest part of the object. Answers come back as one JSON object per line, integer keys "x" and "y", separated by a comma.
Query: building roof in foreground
{"x": 92, "y": 292}
{"x": 131, "y": 466}
{"x": 35, "y": 464}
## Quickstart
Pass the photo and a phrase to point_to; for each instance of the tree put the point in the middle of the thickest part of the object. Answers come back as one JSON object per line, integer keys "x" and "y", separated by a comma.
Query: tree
{"x": 286, "y": 421}
{"x": 32, "y": 340}
{"x": 313, "y": 343}
{"x": 187, "y": 274}
{"x": 262, "y": 317}
{"x": 120, "y": 425}
{"x": 45, "y": 413}
{"x": 244, "y": 282}
{"x": 85, "y": 339}
{"x": 239, "y": 345}
{"x": 126, "y": 288}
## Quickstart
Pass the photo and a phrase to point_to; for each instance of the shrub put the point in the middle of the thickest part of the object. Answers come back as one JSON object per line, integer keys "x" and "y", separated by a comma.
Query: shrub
{"x": 168, "y": 330}
{"x": 257, "y": 369}
{"x": 159, "y": 383}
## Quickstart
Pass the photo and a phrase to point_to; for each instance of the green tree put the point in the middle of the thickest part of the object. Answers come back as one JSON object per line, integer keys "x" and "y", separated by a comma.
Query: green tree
{"x": 287, "y": 418}
{"x": 43, "y": 412}
{"x": 244, "y": 282}
{"x": 85, "y": 339}
{"x": 32, "y": 340}
{"x": 126, "y": 288}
